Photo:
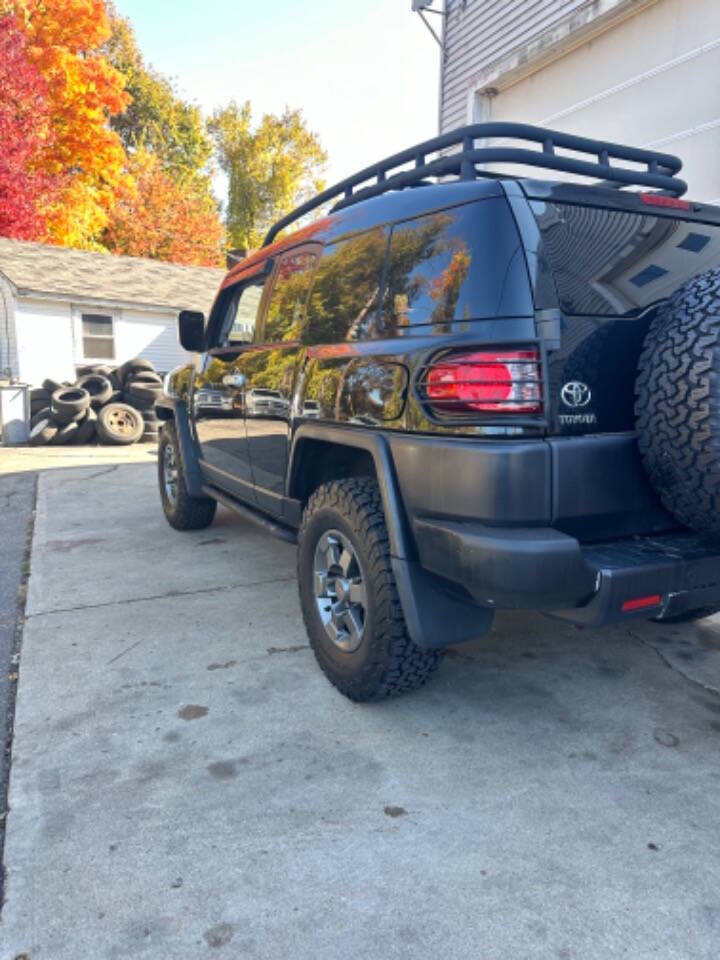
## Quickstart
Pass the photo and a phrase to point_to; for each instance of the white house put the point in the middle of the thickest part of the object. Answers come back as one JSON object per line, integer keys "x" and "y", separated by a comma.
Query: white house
{"x": 60, "y": 308}
{"x": 642, "y": 72}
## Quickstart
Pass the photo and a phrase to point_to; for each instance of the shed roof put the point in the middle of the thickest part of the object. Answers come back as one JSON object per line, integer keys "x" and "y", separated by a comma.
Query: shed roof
{"x": 81, "y": 274}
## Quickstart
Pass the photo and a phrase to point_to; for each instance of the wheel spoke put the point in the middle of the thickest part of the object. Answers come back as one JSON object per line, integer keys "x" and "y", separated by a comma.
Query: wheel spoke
{"x": 357, "y": 592}
{"x": 352, "y": 621}
{"x": 321, "y": 583}
{"x": 333, "y": 552}
{"x": 345, "y": 561}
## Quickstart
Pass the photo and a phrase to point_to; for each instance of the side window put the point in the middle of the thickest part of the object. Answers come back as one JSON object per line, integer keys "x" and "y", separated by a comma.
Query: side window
{"x": 97, "y": 336}
{"x": 458, "y": 264}
{"x": 288, "y": 300}
{"x": 241, "y": 311}
{"x": 345, "y": 296}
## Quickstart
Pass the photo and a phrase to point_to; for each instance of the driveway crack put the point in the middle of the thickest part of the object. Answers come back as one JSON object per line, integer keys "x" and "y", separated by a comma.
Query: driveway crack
{"x": 99, "y": 473}
{"x": 162, "y": 596}
{"x": 708, "y": 688}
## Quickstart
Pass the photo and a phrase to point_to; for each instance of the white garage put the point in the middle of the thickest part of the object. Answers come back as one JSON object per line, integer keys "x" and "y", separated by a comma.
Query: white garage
{"x": 61, "y": 308}
{"x": 642, "y": 72}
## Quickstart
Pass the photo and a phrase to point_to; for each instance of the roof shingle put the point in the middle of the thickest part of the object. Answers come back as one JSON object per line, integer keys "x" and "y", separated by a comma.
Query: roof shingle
{"x": 39, "y": 268}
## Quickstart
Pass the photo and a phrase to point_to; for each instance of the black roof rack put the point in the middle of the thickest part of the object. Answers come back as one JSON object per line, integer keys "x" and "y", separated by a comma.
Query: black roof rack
{"x": 659, "y": 172}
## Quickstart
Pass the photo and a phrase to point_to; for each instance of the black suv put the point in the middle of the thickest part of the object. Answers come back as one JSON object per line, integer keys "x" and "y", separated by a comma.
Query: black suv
{"x": 459, "y": 391}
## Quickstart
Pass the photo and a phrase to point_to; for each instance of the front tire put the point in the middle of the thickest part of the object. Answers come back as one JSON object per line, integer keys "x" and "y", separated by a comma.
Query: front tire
{"x": 349, "y": 599}
{"x": 182, "y": 511}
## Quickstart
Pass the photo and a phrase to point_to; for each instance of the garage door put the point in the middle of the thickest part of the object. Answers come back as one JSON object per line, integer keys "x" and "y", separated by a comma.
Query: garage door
{"x": 649, "y": 81}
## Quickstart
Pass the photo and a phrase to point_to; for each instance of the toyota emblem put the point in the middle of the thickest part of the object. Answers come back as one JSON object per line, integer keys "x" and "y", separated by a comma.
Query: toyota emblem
{"x": 576, "y": 394}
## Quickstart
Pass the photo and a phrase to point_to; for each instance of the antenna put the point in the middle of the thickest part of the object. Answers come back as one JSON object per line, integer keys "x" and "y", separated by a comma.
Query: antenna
{"x": 421, "y": 7}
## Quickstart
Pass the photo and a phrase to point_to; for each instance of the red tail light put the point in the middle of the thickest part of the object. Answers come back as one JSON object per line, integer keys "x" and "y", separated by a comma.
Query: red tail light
{"x": 488, "y": 381}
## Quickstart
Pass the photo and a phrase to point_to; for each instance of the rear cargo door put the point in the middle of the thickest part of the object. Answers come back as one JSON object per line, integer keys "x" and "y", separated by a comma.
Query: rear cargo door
{"x": 610, "y": 270}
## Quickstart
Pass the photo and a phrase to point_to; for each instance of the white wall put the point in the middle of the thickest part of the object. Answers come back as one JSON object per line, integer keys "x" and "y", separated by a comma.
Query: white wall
{"x": 44, "y": 340}
{"x": 150, "y": 335}
{"x": 8, "y": 343}
{"x": 50, "y": 344}
{"x": 651, "y": 80}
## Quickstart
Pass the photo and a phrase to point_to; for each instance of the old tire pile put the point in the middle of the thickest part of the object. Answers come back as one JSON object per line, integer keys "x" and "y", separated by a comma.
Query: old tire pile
{"x": 109, "y": 405}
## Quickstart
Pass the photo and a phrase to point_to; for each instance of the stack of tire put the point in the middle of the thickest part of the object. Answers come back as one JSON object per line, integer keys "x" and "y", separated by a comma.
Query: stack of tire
{"x": 105, "y": 404}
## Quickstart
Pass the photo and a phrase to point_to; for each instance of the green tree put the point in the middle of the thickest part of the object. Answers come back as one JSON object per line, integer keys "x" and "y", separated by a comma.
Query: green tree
{"x": 271, "y": 169}
{"x": 157, "y": 119}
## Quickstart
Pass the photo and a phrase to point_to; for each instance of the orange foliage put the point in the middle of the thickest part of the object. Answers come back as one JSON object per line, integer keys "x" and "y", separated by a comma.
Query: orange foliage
{"x": 164, "y": 217}
{"x": 83, "y": 90}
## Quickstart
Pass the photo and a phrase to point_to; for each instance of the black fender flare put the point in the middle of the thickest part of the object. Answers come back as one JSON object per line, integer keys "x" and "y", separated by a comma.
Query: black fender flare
{"x": 170, "y": 408}
{"x": 436, "y": 616}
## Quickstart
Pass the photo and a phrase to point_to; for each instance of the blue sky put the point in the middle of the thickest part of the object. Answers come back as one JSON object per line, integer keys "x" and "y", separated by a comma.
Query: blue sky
{"x": 364, "y": 73}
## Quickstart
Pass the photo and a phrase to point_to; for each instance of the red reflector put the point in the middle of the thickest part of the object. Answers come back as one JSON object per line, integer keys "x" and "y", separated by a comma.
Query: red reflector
{"x": 658, "y": 200}
{"x": 496, "y": 381}
{"x": 639, "y": 603}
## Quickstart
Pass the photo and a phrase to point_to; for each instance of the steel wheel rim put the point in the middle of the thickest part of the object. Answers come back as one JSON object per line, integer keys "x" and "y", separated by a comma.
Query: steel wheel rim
{"x": 170, "y": 474}
{"x": 122, "y": 421}
{"x": 339, "y": 591}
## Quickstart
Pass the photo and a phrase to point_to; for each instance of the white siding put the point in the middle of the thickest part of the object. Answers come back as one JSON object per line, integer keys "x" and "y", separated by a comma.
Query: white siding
{"x": 651, "y": 80}
{"x": 150, "y": 335}
{"x": 8, "y": 339}
{"x": 44, "y": 340}
{"x": 478, "y": 32}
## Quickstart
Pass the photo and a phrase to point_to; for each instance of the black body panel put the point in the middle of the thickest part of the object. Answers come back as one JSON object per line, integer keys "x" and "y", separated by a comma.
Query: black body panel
{"x": 485, "y": 510}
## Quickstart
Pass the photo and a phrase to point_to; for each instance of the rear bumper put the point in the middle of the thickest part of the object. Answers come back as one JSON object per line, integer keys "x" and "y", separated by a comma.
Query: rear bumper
{"x": 543, "y": 569}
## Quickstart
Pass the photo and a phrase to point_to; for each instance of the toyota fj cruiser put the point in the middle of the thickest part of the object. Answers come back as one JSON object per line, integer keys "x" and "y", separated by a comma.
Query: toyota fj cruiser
{"x": 461, "y": 391}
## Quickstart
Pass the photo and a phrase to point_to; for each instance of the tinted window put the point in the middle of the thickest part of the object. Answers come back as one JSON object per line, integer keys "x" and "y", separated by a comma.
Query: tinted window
{"x": 240, "y": 317}
{"x": 286, "y": 310}
{"x": 614, "y": 263}
{"x": 346, "y": 291}
{"x": 458, "y": 264}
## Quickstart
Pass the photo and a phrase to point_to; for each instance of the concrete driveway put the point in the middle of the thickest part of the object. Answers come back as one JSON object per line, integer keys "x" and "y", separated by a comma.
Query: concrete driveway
{"x": 186, "y": 784}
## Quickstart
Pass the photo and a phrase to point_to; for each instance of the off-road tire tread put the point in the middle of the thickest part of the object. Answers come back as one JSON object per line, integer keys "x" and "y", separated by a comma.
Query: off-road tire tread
{"x": 406, "y": 666}
{"x": 190, "y": 513}
{"x": 678, "y": 403}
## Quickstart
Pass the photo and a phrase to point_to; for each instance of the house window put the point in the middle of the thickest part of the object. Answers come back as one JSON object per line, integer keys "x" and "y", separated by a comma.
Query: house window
{"x": 97, "y": 336}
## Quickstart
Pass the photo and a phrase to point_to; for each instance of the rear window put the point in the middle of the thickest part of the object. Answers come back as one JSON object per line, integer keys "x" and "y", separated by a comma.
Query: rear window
{"x": 614, "y": 263}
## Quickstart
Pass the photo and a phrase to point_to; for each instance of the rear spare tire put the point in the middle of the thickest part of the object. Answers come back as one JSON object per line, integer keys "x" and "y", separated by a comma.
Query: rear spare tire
{"x": 678, "y": 403}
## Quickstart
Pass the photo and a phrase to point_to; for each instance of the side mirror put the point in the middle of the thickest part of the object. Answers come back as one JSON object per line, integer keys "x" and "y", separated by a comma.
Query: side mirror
{"x": 191, "y": 329}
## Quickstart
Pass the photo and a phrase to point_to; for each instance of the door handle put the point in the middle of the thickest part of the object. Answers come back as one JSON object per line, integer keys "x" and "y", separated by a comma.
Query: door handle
{"x": 237, "y": 380}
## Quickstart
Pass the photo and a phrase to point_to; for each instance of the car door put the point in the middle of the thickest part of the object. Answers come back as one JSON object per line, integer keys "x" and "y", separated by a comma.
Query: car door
{"x": 270, "y": 368}
{"x": 218, "y": 394}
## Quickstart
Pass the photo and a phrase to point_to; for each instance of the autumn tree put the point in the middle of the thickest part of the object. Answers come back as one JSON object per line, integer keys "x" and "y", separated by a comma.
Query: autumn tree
{"x": 271, "y": 169}
{"x": 165, "y": 216}
{"x": 83, "y": 90}
{"x": 156, "y": 119}
{"x": 25, "y": 133}
{"x": 168, "y": 211}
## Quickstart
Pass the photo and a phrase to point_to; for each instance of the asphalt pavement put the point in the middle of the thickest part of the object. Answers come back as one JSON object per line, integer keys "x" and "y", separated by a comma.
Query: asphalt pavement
{"x": 17, "y": 498}
{"x": 186, "y": 783}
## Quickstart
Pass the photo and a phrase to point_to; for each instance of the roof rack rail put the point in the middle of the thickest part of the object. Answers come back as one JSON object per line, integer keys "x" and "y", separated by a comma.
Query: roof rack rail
{"x": 659, "y": 172}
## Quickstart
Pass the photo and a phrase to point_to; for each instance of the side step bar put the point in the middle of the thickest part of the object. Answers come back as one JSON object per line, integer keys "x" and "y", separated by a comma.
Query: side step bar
{"x": 254, "y": 516}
